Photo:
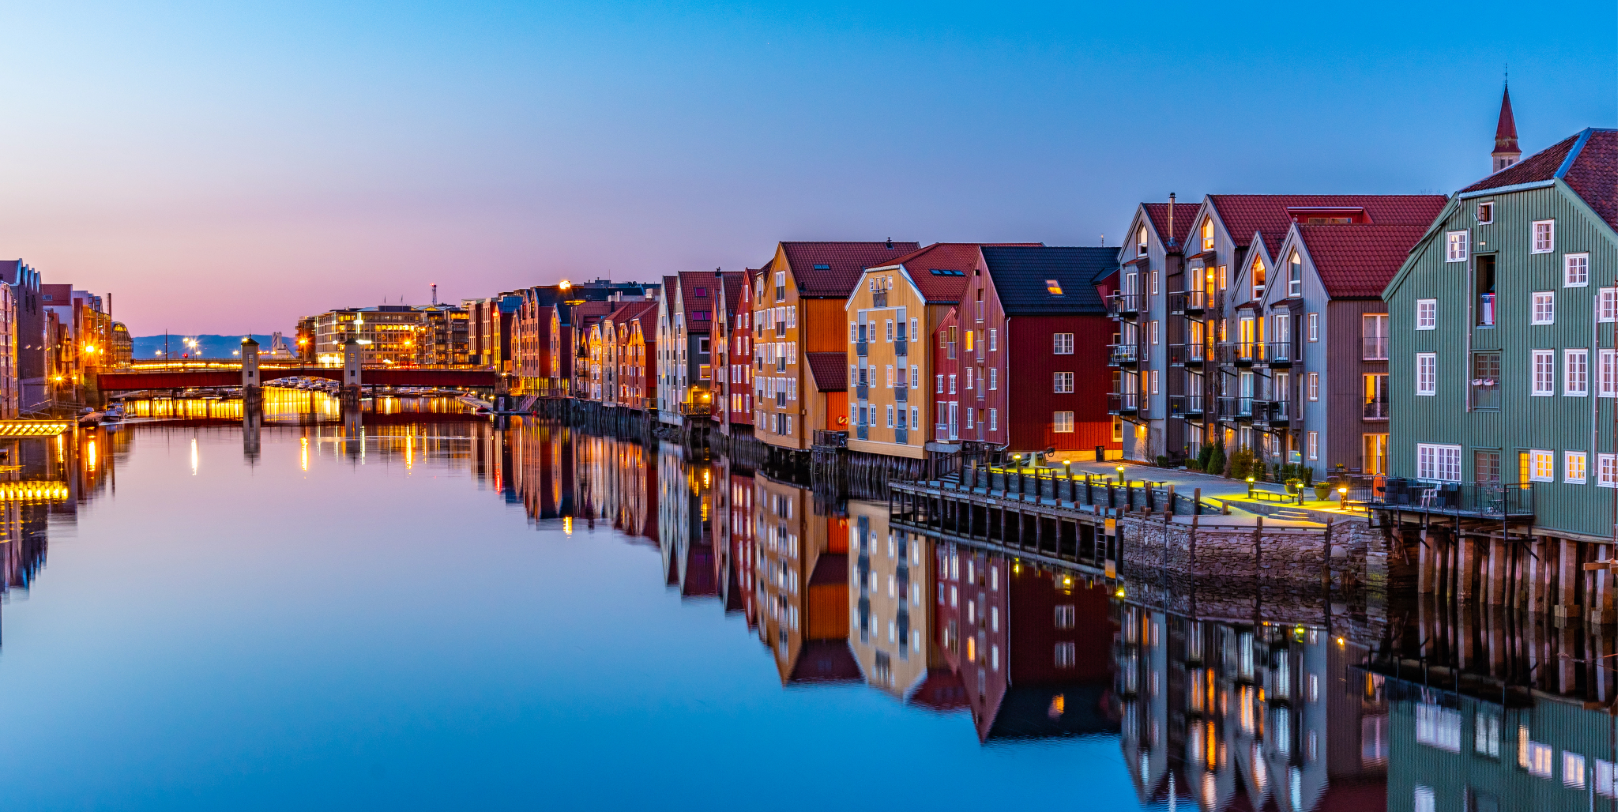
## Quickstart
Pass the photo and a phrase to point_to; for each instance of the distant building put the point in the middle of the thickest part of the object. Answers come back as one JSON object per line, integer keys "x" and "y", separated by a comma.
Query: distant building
{"x": 122, "y": 349}
{"x": 30, "y": 326}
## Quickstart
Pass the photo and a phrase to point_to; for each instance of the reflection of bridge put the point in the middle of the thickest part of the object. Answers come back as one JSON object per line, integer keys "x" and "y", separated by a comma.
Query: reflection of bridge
{"x": 183, "y": 378}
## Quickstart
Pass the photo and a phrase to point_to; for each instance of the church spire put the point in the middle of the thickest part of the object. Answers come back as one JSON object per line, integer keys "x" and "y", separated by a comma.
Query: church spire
{"x": 1507, "y": 152}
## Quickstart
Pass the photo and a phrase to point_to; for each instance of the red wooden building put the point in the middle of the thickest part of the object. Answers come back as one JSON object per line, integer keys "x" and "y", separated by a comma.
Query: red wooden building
{"x": 1032, "y": 322}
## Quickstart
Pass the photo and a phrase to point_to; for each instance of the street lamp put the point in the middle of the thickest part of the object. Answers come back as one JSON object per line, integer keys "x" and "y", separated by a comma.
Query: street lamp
{"x": 1343, "y": 491}
{"x": 1250, "y": 480}
{"x": 1120, "y": 469}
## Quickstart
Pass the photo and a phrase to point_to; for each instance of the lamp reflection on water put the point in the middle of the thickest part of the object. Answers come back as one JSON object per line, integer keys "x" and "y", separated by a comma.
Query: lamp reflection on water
{"x": 303, "y": 453}
{"x": 194, "y": 456}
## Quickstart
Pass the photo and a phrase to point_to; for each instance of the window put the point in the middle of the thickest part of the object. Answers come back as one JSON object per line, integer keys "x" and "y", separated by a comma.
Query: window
{"x": 1438, "y": 727}
{"x": 1063, "y": 343}
{"x": 915, "y": 376}
{"x": 1575, "y": 467}
{"x": 1313, "y": 386}
{"x": 1487, "y": 466}
{"x": 1608, "y": 476}
{"x": 1153, "y": 331}
{"x": 1063, "y": 422}
{"x": 992, "y": 419}
{"x": 781, "y": 286}
{"x": 1053, "y": 287}
{"x": 967, "y": 383}
{"x": 855, "y": 332}
{"x": 1425, "y": 314}
{"x": 1575, "y": 373}
{"x": 1541, "y": 466}
{"x": 1153, "y": 283}
{"x": 1295, "y": 274}
{"x": 1607, "y": 307}
{"x": 1603, "y": 775}
{"x": 1422, "y": 798}
{"x": 888, "y": 330}
{"x": 1441, "y": 463}
{"x": 967, "y": 340}
{"x": 1541, "y": 237}
{"x": 1425, "y": 373}
{"x": 914, "y": 423}
{"x": 939, "y": 384}
{"x": 1063, "y": 616}
{"x": 1141, "y": 241}
{"x": 1153, "y": 381}
{"x": 1485, "y": 290}
{"x": 992, "y": 377}
{"x": 953, "y": 385}
{"x": 1486, "y": 382}
{"x": 1375, "y": 396}
{"x": 1537, "y": 758}
{"x": 889, "y": 416}
{"x": 1485, "y": 212}
{"x": 1313, "y": 329}
{"x": 1541, "y": 307}
{"x": 992, "y": 341}
{"x": 1063, "y": 382}
{"x": 1607, "y": 379}
{"x": 1574, "y": 770}
{"x": 1541, "y": 373}
{"x": 1206, "y": 235}
{"x": 1257, "y": 279}
{"x": 1575, "y": 270}
{"x": 1456, "y": 246}
{"x": 1310, "y": 445}
{"x": 978, "y": 305}
{"x": 1063, "y": 655}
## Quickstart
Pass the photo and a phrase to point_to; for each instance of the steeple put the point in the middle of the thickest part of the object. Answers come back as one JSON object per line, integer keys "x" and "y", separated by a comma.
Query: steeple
{"x": 1507, "y": 152}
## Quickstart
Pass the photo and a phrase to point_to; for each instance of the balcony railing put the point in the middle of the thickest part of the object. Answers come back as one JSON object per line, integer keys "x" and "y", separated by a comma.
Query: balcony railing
{"x": 1271, "y": 411}
{"x": 1375, "y": 410}
{"x": 860, "y": 348}
{"x": 1119, "y": 403}
{"x": 1188, "y": 301}
{"x": 1240, "y": 353}
{"x": 1184, "y": 405}
{"x": 1124, "y": 305}
{"x": 1280, "y": 353}
{"x": 1185, "y": 354}
{"x": 900, "y": 393}
{"x": 1235, "y": 408}
{"x": 831, "y": 439}
{"x": 880, "y": 299}
{"x": 1455, "y": 498}
{"x": 1487, "y": 310}
{"x": 1122, "y": 354}
{"x": 900, "y": 347}
{"x": 1375, "y": 348}
{"x": 900, "y": 436}
{"x": 861, "y": 391}
{"x": 1487, "y": 393}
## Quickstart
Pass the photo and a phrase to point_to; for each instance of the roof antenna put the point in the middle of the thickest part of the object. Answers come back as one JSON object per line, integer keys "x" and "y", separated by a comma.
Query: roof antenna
{"x": 1102, "y": 240}
{"x": 888, "y": 243}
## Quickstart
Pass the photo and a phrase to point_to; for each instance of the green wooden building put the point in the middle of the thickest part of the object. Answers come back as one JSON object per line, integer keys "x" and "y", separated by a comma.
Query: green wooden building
{"x": 1503, "y": 378}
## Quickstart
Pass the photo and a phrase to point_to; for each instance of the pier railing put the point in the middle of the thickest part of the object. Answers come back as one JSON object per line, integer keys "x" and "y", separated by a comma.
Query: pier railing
{"x": 1510, "y": 499}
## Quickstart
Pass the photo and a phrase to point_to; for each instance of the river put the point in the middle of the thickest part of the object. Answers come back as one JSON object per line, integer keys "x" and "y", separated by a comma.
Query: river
{"x": 416, "y": 609}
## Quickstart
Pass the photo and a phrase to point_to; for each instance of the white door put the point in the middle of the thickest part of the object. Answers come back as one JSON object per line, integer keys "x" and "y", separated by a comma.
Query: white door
{"x": 952, "y": 422}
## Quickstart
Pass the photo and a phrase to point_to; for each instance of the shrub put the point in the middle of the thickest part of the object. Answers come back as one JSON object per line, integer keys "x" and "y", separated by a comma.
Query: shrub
{"x": 1162, "y": 461}
{"x": 1203, "y": 457}
{"x": 1216, "y": 464}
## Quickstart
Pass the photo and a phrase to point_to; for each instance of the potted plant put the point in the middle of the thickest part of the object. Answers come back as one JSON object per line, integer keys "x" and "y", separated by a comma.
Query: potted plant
{"x": 1322, "y": 490}
{"x": 1293, "y": 486}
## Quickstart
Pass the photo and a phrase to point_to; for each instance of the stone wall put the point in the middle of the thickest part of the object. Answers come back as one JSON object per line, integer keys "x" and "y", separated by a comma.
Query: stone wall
{"x": 1246, "y": 556}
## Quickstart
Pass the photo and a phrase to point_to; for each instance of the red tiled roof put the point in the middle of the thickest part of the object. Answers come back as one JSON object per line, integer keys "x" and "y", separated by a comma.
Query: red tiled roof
{"x": 636, "y": 311}
{"x": 1159, "y": 213}
{"x": 946, "y": 256}
{"x": 1243, "y": 215}
{"x": 828, "y": 370}
{"x": 845, "y": 263}
{"x": 694, "y": 283}
{"x": 1358, "y": 260}
{"x": 1585, "y": 160}
{"x": 737, "y": 291}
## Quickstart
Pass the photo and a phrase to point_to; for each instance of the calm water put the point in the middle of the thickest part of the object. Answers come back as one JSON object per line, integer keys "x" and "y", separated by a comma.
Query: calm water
{"x": 421, "y": 611}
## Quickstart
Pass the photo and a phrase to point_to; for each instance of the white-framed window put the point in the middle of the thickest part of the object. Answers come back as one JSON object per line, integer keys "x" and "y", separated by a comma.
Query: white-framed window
{"x": 1153, "y": 283}
{"x": 1313, "y": 327}
{"x": 992, "y": 377}
{"x": 1575, "y": 467}
{"x": 1575, "y": 374}
{"x": 992, "y": 419}
{"x": 1310, "y": 445}
{"x": 1440, "y": 463}
{"x": 1296, "y": 274}
{"x": 1153, "y": 331}
{"x": 1063, "y": 655}
{"x": 854, "y": 332}
{"x": 1485, "y": 212}
{"x": 967, "y": 383}
{"x": 1153, "y": 382}
{"x": 1541, "y": 237}
{"x": 888, "y": 329}
{"x": 888, "y": 375}
{"x": 1063, "y": 343}
{"x": 1608, "y": 304}
{"x": 1538, "y": 759}
{"x": 1426, "y": 373}
{"x": 1541, "y": 307}
{"x": 914, "y": 423}
{"x": 1313, "y": 386}
{"x": 1608, "y": 374}
{"x": 916, "y": 376}
{"x": 1574, "y": 770}
{"x": 991, "y": 343}
{"x": 1063, "y": 422}
{"x": 1063, "y": 382}
{"x": 1603, "y": 778}
{"x": 1575, "y": 270}
{"x": 1141, "y": 241}
{"x": 1426, "y": 309}
{"x": 1422, "y": 798}
{"x": 1541, "y": 373}
{"x": 1608, "y": 473}
{"x": 914, "y": 331}
{"x": 939, "y": 384}
{"x": 1541, "y": 465}
{"x": 1456, "y": 246}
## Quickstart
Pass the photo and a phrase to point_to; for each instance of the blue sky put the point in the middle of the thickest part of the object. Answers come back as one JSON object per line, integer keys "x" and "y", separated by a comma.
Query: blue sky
{"x": 228, "y": 167}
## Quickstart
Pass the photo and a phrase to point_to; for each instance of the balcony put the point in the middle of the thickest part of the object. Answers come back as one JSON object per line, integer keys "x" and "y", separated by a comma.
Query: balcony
{"x": 1123, "y": 355}
{"x": 900, "y": 347}
{"x": 1186, "y": 405}
{"x": 900, "y": 436}
{"x": 1235, "y": 408}
{"x": 1184, "y": 355}
{"x": 861, "y": 391}
{"x": 1193, "y": 302}
{"x": 1122, "y": 404}
{"x": 860, "y": 431}
{"x": 860, "y": 348}
{"x": 900, "y": 395}
{"x": 1271, "y": 412}
{"x": 1124, "y": 305}
{"x": 781, "y": 400}
{"x": 1375, "y": 410}
{"x": 1239, "y": 353}
{"x": 1375, "y": 348}
{"x": 880, "y": 298}
{"x": 1280, "y": 353}
{"x": 1493, "y": 500}
{"x": 695, "y": 408}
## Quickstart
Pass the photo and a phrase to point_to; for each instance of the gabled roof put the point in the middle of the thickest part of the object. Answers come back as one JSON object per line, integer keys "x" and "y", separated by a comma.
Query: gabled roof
{"x": 828, "y": 370}
{"x": 1159, "y": 214}
{"x": 1585, "y": 161}
{"x": 1021, "y": 274}
{"x": 843, "y": 263}
{"x": 637, "y": 311}
{"x": 958, "y": 259}
{"x": 1243, "y": 215}
{"x": 737, "y": 291}
{"x": 1358, "y": 260}
{"x": 711, "y": 289}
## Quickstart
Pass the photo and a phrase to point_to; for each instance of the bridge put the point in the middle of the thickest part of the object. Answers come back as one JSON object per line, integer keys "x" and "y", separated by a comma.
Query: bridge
{"x": 210, "y": 375}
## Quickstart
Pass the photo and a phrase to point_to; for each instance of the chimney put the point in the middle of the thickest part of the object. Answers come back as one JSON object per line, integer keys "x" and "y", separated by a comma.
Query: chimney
{"x": 435, "y": 287}
{"x": 1171, "y": 237}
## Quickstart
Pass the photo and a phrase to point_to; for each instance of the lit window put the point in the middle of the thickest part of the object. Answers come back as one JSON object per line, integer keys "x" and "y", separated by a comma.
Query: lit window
{"x": 1575, "y": 467}
{"x": 1295, "y": 274}
{"x": 1575, "y": 270}
{"x": 1141, "y": 241}
{"x": 1541, "y": 307}
{"x": 1541, "y": 237}
{"x": 1207, "y": 235}
{"x": 1426, "y": 314}
{"x": 1456, "y": 246}
{"x": 1574, "y": 770}
{"x": 1053, "y": 287}
{"x": 1541, "y": 466}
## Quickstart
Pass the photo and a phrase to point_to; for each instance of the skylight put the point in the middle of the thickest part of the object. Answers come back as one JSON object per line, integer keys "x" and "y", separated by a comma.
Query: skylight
{"x": 1053, "y": 287}
{"x": 945, "y": 272}
{"x": 823, "y": 267}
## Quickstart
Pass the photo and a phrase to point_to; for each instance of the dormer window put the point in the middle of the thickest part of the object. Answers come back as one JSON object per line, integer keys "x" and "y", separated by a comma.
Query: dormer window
{"x": 701, "y": 293}
{"x": 1485, "y": 212}
{"x": 1294, "y": 267}
{"x": 1053, "y": 287}
{"x": 1257, "y": 278}
{"x": 1206, "y": 235}
{"x": 1141, "y": 241}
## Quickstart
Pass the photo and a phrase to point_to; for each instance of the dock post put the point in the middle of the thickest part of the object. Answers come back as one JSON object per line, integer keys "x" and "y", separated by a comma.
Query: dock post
{"x": 1426, "y": 561}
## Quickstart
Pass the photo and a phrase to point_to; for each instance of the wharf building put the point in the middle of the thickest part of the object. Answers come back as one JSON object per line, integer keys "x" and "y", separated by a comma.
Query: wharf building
{"x": 29, "y": 326}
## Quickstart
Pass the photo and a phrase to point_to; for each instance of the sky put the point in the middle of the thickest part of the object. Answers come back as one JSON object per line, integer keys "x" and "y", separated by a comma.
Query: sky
{"x": 228, "y": 167}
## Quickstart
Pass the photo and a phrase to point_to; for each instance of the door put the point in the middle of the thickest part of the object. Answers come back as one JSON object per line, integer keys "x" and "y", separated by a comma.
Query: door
{"x": 951, "y": 424}
{"x": 1375, "y": 454}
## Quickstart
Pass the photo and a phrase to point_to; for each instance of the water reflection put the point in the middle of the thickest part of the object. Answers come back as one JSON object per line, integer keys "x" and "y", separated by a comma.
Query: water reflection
{"x": 1420, "y": 711}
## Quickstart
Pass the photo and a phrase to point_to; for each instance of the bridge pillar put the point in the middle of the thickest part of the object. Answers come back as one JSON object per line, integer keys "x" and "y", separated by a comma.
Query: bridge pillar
{"x": 252, "y": 392}
{"x": 350, "y": 392}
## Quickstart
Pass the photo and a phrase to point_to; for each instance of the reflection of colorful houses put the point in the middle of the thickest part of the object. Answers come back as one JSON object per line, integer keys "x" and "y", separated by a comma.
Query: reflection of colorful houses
{"x": 802, "y": 584}
{"x": 734, "y": 538}
{"x": 890, "y": 612}
{"x": 1247, "y": 717}
{"x": 970, "y": 599}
